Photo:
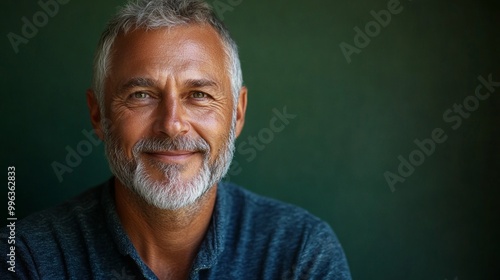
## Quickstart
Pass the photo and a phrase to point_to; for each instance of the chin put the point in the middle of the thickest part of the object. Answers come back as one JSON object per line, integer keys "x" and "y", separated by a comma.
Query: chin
{"x": 171, "y": 191}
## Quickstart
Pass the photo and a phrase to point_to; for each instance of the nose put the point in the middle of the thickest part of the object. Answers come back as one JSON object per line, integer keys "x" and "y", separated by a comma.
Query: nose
{"x": 171, "y": 118}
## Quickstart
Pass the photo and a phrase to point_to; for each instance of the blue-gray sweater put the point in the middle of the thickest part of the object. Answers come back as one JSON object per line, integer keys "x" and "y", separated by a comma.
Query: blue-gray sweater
{"x": 249, "y": 237}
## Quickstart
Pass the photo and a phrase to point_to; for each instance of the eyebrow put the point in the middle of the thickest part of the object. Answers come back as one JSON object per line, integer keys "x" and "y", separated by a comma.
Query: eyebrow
{"x": 138, "y": 82}
{"x": 199, "y": 83}
{"x": 146, "y": 82}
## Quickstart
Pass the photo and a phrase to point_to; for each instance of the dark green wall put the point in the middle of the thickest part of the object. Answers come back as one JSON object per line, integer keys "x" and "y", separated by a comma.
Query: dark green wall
{"x": 352, "y": 122}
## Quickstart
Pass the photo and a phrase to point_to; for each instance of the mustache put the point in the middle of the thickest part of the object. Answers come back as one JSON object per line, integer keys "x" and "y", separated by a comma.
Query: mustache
{"x": 183, "y": 143}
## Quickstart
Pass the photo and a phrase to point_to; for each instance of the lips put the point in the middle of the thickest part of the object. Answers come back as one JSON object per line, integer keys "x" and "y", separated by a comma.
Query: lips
{"x": 172, "y": 156}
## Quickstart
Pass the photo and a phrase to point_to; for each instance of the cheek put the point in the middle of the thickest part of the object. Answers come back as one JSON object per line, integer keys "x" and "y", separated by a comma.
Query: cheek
{"x": 129, "y": 129}
{"x": 214, "y": 127}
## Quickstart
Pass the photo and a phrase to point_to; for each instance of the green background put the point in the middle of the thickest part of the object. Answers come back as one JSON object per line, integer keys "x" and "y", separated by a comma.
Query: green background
{"x": 353, "y": 121}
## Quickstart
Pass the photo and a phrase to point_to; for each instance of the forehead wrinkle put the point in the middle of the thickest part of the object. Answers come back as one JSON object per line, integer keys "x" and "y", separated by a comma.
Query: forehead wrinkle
{"x": 178, "y": 59}
{"x": 189, "y": 73}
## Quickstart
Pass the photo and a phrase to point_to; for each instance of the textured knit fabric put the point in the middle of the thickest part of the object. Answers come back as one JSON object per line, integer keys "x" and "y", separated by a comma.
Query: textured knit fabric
{"x": 249, "y": 237}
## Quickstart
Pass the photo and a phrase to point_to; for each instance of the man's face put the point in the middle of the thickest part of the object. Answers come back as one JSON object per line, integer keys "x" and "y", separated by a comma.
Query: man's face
{"x": 169, "y": 101}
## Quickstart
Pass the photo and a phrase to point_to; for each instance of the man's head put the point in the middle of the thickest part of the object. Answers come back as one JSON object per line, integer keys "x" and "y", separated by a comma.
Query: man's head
{"x": 167, "y": 80}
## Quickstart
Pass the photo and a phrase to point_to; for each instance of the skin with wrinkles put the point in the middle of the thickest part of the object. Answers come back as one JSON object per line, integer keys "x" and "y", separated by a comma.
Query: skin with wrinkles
{"x": 168, "y": 82}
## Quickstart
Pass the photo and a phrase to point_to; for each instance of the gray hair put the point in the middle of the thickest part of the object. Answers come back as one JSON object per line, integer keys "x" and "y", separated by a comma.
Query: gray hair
{"x": 153, "y": 14}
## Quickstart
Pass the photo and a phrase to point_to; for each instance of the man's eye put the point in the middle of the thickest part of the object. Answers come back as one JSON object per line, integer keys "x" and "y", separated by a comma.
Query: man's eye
{"x": 140, "y": 95}
{"x": 199, "y": 95}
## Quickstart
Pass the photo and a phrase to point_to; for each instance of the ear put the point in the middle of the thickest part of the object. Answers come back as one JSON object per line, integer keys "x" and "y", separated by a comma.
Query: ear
{"x": 95, "y": 113}
{"x": 240, "y": 113}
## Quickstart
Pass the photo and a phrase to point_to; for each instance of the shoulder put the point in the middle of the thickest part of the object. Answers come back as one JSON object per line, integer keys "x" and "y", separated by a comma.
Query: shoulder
{"x": 294, "y": 243}
{"x": 44, "y": 240}
{"x": 246, "y": 203}
{"x": 67, "y": 214}
{"x": 66, "y": 223}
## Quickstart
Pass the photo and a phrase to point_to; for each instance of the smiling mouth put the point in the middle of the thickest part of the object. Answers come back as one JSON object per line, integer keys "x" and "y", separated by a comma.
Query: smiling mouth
{"x": 172, "y": 156}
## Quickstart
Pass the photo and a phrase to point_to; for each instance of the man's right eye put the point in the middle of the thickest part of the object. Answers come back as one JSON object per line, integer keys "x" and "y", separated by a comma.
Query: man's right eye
{"x": 140, "y": 95}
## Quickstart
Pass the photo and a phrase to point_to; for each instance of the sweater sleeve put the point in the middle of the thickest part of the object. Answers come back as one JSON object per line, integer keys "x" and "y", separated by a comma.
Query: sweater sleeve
{"x": 321, "y": 257}
{"x": 17, "y": 263}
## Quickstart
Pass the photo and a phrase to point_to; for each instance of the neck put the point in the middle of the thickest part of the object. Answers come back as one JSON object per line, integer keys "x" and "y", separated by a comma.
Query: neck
{"x": 166, "y": 240}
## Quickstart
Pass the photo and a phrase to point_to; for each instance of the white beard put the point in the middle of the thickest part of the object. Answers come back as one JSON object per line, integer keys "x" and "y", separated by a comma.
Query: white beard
{"x": 171, "y": 192}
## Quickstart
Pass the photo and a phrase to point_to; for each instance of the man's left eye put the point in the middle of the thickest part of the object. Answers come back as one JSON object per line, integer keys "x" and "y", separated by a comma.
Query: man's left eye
{"x": 199, "y": 95}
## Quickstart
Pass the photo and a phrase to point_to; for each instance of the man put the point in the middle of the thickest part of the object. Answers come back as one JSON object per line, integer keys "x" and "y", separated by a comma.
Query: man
{"x": 168, "y": 102}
